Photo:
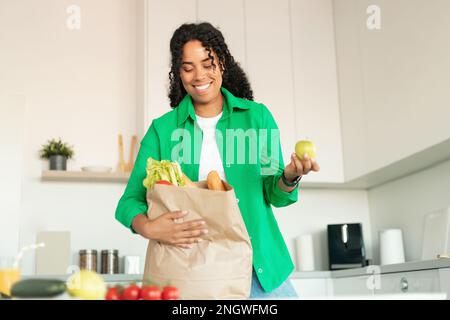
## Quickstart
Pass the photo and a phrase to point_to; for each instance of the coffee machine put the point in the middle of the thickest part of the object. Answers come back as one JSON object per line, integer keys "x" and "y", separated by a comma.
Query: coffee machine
{"x": 346, "y": 246}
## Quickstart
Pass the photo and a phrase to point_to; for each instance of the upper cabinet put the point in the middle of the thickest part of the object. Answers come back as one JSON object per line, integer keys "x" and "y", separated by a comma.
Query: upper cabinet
{"x": 375, "y": 102}
{"x": 159, "y": 20}
{"x": 315, "y": 84}
{"x": 285, "y": 47}
{"x": 269, "y": 64}
{"x": 291, "y": 62}
{"x": 228, "y": 16}
{"x": 393, "y": 83}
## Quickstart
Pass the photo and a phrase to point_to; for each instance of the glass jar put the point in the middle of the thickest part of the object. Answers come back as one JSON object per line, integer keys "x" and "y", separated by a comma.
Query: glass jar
{"x": 88, "y": 260}
{"x": 110, "y": 262}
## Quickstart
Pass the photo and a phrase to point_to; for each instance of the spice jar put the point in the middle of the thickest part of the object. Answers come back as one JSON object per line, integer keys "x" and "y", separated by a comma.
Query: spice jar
{"x": 110, "y": 262}
{"x": 88, "y": 260}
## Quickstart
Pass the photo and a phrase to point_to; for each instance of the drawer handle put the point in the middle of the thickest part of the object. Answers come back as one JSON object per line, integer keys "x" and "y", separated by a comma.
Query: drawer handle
{"x": 404, "y": 284}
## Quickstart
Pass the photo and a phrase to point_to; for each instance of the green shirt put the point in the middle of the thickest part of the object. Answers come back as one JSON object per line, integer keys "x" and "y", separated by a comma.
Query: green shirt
{"x": 169, "y": 138}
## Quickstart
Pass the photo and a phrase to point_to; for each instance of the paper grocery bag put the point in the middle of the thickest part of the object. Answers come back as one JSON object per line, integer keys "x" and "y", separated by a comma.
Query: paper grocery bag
{"x": 219, "y": 267}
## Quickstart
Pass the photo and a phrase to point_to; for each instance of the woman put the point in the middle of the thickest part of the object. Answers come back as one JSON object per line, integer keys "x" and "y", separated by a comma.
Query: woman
{"x": 210, "y": 92}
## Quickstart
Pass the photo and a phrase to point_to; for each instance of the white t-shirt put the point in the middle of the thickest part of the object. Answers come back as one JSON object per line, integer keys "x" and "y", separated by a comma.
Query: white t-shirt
{"x": 210, "y": 155}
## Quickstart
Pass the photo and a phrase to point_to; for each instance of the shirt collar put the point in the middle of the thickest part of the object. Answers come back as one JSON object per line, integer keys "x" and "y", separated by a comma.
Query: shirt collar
{"x": 186, "y": 108}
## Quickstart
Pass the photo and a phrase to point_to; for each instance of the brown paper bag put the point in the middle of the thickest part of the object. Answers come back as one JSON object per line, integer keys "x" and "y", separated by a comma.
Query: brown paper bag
{"x": 219, "y": 267}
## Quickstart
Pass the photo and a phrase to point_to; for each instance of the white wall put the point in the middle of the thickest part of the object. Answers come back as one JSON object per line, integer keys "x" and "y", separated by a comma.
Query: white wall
{"x": 11, "y": 156}
{"x": 81, "y": 86}
{"x": 403, "y": 204}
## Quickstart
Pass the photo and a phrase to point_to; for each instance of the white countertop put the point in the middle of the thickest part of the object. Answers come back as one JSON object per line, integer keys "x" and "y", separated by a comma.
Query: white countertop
{"x": 401, "y": 267}
{"x": 392, "y": 268}
{"x": 116, "y": 278}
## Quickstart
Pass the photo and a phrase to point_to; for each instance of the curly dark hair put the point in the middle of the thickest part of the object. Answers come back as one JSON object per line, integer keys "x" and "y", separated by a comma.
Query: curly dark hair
{"x": 234, "y": 78}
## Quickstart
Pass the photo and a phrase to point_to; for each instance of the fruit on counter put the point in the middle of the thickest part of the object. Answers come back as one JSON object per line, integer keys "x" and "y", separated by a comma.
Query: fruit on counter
{"x": 4, "y": 296}
{"x": 87, "y": 285}
{"x": 38, "y": 288}
{"x": 148, "y": 291}
{"x": 163, "y": 182}
{"x": 170, "y": 293}
{"x": 151, "y": 292}
{"x": 305, "y": 147}
{"x": 132, "y": 292}
{"x": 163, "y": 170}
{"x": 214, "y": 182}
{"x": 113, "y": 293}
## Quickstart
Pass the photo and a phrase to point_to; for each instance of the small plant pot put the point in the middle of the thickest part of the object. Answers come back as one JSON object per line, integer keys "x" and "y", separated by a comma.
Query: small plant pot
{"x": 58, "y": 162}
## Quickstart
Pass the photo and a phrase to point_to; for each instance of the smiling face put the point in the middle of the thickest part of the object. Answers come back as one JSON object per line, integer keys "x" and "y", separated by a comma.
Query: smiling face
{"x": 200, "y": 78}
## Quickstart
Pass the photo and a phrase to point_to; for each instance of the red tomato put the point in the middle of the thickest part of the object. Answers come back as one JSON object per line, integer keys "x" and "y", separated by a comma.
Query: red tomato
{"x": 170, "y": 293}
{"x": 163, "y": 182}
{"x": 112, "y": 294}
{"x": 151, "y": 292}
{"x": 132, "y": 292}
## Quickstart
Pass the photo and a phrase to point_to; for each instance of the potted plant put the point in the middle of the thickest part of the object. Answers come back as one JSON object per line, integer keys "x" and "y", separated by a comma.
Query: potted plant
{"x": 57, "y": 152}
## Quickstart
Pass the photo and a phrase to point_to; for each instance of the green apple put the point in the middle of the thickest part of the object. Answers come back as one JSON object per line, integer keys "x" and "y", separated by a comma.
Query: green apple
{"x": 305, "y": 146}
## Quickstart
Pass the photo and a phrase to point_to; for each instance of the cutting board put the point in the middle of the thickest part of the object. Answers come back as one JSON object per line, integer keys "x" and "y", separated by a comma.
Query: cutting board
{"x": 54, "y": 258}
{"x": 436, "y": 234}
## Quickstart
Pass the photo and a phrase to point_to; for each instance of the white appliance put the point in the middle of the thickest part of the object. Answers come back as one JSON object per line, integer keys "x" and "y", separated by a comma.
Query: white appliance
{"x": 391, "y": 247}
{"x": 436, "y": 234}
{"x": 132, "y": 264}
{"x": 304, "y": 252}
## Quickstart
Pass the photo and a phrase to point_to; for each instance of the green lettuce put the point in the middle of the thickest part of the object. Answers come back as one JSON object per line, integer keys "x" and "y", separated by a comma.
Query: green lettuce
{"x": 163, "y": 170}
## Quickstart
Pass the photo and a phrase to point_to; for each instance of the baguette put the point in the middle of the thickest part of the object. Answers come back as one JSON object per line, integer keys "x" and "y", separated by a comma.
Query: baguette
{"x": 214, "y": 182}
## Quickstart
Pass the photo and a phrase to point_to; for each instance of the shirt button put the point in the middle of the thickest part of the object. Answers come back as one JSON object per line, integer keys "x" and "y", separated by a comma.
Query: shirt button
{"x": 260, "y": 270}
{"x": 237, "y": 199}
{"x": 228, "y": 165}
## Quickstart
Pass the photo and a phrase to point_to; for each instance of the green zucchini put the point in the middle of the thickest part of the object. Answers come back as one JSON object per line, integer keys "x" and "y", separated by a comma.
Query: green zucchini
{"x": 38, "y": 288}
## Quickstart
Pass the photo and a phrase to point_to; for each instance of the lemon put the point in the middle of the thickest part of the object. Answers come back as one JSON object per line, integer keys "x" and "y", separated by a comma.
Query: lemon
{"x": 87, "y": 285}
{"x": 305, "y": 146}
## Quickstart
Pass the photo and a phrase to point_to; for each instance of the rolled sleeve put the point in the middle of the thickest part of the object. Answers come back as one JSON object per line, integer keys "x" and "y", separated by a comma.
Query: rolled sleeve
{"x": 275, "y": 195}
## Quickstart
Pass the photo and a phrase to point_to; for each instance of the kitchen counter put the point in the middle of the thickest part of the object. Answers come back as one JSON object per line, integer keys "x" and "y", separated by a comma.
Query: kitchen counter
{"x": 392, "y": 268}
{"x": 109, "y": 278}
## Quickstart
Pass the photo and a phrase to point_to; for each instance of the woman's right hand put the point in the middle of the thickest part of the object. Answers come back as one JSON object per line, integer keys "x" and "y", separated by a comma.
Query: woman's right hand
{"x": 164, "y": 229}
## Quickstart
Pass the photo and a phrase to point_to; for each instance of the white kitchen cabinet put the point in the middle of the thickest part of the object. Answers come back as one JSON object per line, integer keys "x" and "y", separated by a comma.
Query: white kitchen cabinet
{"x": 228, "y": 17}
{"x": 287, "y": 50}
{"x": 424, "y": 281}
{"x": 392, "y": 82}
{"x": 291, "y": 61}
{"x": 315, "y": 84}
{"x": 353, "y": 286}
{"x": 444, "y": 281}
{"x": 162, "y": 19}
{"x": 269, "y": 64}
{"x": 159, "y": 22}
{"x": 311, "y": 288}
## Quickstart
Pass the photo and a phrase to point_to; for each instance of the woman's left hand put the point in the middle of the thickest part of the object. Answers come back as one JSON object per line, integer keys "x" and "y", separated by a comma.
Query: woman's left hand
{"x": 300, "y": 167}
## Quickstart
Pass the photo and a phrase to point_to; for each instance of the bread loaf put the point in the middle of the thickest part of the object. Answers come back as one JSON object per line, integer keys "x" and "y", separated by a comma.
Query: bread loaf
{"x": 214, "y": 182}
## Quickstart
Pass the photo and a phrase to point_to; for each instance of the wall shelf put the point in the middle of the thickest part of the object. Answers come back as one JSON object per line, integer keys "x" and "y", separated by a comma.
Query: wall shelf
{"x": 83, "y": 176}
{"x": 417, "y": 162}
